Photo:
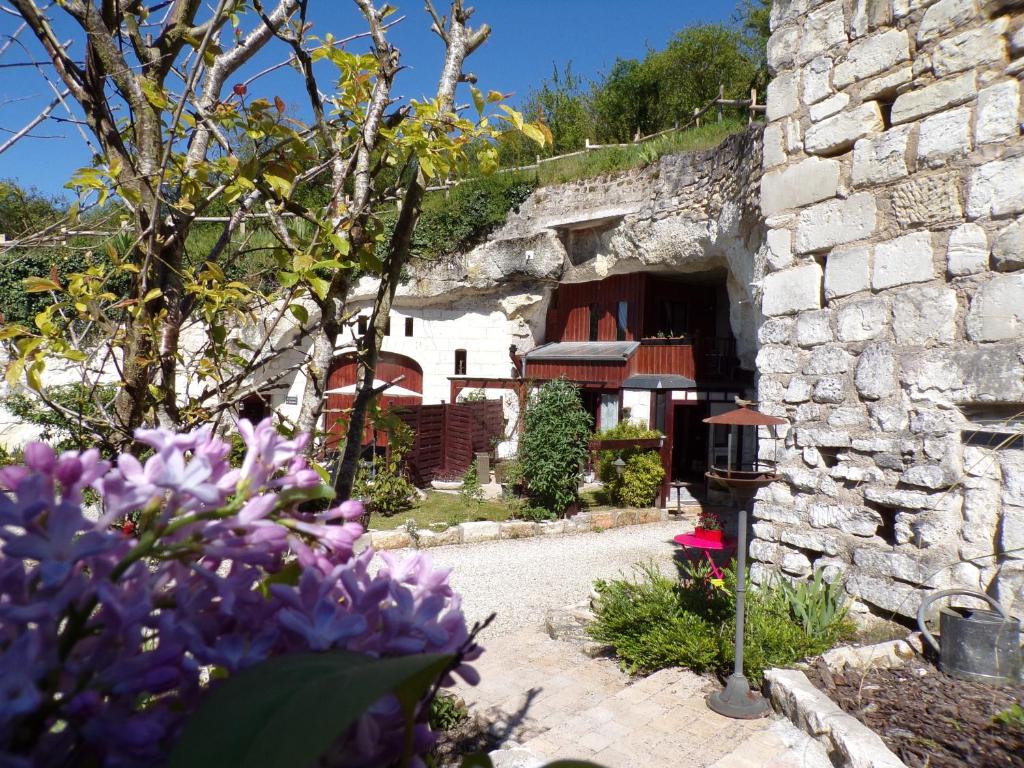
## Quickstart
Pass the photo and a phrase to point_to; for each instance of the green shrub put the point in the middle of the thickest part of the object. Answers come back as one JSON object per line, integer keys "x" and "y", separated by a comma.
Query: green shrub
{"x": 471, "y": 489}
{"x": 383, "y": 486}
{"x": 655, "y": 622}
{"x": 447, "y": 712}
{"x": 641, "y": 478}
{"x": 553, "y": 445}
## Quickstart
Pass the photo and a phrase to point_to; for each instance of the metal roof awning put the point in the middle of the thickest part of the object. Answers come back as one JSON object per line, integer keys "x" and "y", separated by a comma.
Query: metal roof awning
{"x": 577, "y": 351}
{"x": 658, "y": 381}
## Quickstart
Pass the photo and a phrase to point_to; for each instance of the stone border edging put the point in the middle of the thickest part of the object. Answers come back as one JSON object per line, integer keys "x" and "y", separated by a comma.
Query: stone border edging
{"x": 488, "y": 530}
{"x": 842, "y": 735}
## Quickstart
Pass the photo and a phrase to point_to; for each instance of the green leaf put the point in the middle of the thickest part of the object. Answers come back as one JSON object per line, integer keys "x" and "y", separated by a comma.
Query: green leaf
{"x": 287, "y": 711}
{"x": 299, "y": 312}
{"x": 535, "y": 133}
{"x": 319, "y": 286}
{"x": 340, "y": 243}
{"x": 154, "y": 93}
{"x": 40, "y": 285}
{"x": 478, "y": 98}
{"x": 12, "y": 330}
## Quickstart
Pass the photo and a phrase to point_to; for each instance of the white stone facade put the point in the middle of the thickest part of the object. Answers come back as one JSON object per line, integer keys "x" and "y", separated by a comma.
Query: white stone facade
{"x": 916, "y": 348}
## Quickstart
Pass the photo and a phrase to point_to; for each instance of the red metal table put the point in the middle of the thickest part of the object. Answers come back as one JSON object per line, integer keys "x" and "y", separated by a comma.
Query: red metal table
{"x": 692, "y": 541}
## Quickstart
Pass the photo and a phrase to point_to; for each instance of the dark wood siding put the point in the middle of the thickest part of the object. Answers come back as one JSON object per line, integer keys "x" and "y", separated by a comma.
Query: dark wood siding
{"x": 570, "y": 320}
{"x": 664, "y": 358}
{"x": 343, "y": 374}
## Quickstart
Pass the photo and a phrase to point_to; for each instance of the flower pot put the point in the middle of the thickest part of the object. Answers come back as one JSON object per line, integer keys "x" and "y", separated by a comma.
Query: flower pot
{"x": 708, "y": 535}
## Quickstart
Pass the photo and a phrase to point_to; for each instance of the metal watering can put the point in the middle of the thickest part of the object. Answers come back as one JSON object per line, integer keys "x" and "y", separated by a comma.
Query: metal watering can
{"x": 977, "y": 644}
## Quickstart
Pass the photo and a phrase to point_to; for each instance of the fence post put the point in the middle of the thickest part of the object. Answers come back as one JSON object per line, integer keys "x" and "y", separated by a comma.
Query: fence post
{"x": 586, "y": 147}
{"x": 753, "y": 104}
{"x": 721, "y": 97}
{"x": 696, "y": 116}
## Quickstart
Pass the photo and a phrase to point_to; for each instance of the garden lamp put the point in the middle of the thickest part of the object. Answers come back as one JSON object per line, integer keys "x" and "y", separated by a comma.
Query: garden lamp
{"x": 619, "y": 465}
{"x": 737, "y": 700}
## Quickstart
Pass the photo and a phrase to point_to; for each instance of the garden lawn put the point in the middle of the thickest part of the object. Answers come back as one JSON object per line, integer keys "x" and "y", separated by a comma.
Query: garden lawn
{"x": 446, "y": 509}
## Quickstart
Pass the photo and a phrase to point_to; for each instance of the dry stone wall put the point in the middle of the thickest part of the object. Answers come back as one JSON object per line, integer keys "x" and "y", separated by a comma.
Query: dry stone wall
{"x": 893, "y": 297}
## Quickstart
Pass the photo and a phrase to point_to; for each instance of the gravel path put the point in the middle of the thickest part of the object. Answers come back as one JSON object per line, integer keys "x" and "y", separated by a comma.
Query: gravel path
{"x": 520, "y": 579}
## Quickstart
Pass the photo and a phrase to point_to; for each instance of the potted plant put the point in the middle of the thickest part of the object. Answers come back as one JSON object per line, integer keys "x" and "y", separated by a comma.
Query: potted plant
{"x": 709, "y": 527}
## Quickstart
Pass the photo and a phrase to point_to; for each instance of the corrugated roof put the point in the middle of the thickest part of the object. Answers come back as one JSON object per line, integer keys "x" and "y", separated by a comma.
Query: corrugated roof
{"x": 658, "y": 381}
{"x": 584, "y": 350}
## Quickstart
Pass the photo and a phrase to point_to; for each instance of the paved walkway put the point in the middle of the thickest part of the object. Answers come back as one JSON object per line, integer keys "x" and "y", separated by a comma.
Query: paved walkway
{"x": 548, "y": 697}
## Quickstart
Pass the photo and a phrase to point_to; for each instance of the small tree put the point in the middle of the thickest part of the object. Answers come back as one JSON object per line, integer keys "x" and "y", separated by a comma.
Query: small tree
{"x": 641, "y": 477}
{"x": 554, "y": 445}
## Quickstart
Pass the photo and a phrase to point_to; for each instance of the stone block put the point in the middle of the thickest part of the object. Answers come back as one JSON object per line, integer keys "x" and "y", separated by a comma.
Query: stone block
{"x": 973, "y": 48}
{"x": 829, "y": 389}
{"x": 817, "y": 80}
{"x": 783, "y": 95}
{"x": 799, "y": 184}
{"x": 943, "y": 94}
{"x": 484, "y": 530}
{"x": 447, "y": 537}
{"x": 773, "y": 359}
{"x": 795, "y": 564}
{"x": 882, "y": 158}
{"x": 886, "y": 594}
{"x": 889, "y": 416}
{"x": 862, "y": 320}
{"x": 792, "y": 290}
{"x": 889, "y": 497}
{"x": 1008, "y": 249}
{"x": 773, "y": 150}
{"x": 776, "y": 330}
{"x": 904, "y": 260}
{"x": 872, "y": 56}
{"x": 857, "y": 521}
{"x": 946, "y": 16}
{"x": 994, "y": 189}
{"x": 847, "y": 270}
{"x": 966, "y": 253}
{"x": 812, "y": 328}
{"x": 998, "y": 113}
{"x": 926, "y": 476}
{"x": 830, "y": 106}
{"x": 551, "y": 528}
{"x": 828, "y": 359}
{"x": 930, "y": 375}
{"x": 517, "y": 529}
{"x": 764, "y": 551}
{"x": 945, "y": 135}
{"x": 782, "y": 46}
{"x": 1011, "y": 532}
{"x": 835, "y": 222}
{"x": 824, "y": 28}
{"x": 847, "y": 416}
{"x": 780, "y": 248}
{"x": 1011, "y": 464}
{"x": 997, "y": 310}
{"x": 602, "y": 520}
{"x": 798, "y": 391}
{"x": 396, "y": 539}
{"x": 877, "y": 372}
{"x": 812, "y": 540}
{"x": 927, "y": 200}
{"x": 887, "y": 85}
{"x": 839, "y": 132}
{"x": 924, "y": 315}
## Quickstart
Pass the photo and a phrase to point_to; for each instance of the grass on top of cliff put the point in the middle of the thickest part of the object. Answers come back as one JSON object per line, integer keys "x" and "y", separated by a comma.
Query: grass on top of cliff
{"x": 613, "y": 159}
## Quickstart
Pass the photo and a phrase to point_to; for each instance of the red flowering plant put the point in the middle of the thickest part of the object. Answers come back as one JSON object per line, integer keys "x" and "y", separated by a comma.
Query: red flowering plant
{"x": 228, "y": 605}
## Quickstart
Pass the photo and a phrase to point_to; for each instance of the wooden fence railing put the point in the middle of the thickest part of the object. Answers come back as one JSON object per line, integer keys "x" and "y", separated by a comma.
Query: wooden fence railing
{"x": 718, "y": 104}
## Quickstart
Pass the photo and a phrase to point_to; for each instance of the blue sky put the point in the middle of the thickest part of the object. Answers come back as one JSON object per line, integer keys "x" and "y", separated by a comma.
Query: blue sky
{"x": 528, "y": 37}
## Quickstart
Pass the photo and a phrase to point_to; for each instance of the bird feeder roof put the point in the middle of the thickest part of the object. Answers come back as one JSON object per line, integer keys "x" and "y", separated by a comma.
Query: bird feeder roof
{"x": 745, "y": 417}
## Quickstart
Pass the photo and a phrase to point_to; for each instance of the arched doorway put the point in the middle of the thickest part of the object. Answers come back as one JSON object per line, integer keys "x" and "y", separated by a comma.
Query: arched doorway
{"x": 341, "y": 386}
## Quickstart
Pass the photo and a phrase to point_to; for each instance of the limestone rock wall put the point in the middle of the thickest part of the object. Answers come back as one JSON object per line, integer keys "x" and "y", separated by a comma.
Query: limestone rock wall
{"x": 690, "y": 212}
{"x": 893, "y": 298}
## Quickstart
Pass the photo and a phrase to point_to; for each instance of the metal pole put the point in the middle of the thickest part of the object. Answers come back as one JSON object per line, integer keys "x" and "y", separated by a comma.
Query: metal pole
{"x": 741, "y": 588}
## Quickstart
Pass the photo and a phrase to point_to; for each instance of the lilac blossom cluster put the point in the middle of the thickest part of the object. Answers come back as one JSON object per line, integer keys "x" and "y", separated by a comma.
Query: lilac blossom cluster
{"x": 106, "y": 638}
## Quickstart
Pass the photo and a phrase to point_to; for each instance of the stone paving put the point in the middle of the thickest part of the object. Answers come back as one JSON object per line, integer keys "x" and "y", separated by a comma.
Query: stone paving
{"x": 547, "y": 697}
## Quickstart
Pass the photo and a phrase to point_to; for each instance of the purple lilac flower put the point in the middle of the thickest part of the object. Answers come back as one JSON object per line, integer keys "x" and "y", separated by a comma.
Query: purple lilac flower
{"x": 86, "y": 634}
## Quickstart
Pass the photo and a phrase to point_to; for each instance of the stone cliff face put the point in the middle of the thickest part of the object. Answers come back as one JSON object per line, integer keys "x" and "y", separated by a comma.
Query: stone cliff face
{"x": 693, "y": 212}
{"x": 893, "y": 191}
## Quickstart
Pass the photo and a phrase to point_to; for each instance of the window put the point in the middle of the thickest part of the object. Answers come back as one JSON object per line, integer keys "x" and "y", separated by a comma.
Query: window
{"x": 594, "y": 318}
{"x": 408, "y": 326}
{"x": 364, "y": 323}
{"x": 460, "y": 362}
{"x": 621, "y": 320}
{"x": 609, "y": 413}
